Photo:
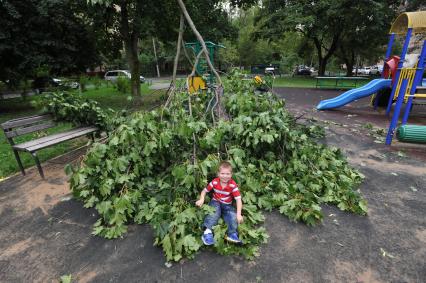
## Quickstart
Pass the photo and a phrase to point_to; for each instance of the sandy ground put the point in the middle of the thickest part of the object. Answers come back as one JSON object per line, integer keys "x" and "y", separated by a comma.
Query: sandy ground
{"x": 45, "y": 233}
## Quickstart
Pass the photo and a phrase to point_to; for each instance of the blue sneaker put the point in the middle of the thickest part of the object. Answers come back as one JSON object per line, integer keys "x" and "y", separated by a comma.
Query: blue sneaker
{"x": 233, "y": 238}
{"x": 208, "y": 239}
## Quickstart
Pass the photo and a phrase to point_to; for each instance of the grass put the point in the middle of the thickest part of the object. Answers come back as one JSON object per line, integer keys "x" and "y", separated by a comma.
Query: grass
{"x": 308, "y": 82}
{"x": 107, "y": 97}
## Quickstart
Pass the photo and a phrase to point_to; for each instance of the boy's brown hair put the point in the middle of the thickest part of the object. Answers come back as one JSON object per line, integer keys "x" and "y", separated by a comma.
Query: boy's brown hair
{"x": 224, "y": 164}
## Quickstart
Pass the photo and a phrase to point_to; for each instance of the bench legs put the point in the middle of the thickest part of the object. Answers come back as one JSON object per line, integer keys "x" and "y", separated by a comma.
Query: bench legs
{"x": 18, "y": 159}
{"x": 37, "y": 161}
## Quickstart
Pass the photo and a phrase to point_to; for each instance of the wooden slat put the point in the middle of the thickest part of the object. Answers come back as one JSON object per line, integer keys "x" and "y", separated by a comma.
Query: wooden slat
{"x": 47, "y": 138}
{"x": 27, "y": 130}
{"x": 25, "y": 121}
{"x": 44, "y": 142}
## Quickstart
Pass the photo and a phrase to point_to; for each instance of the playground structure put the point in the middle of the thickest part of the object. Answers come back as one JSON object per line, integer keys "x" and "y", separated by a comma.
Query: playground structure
{"x": 403, "y": 75}
{"x": 203, "y": 77}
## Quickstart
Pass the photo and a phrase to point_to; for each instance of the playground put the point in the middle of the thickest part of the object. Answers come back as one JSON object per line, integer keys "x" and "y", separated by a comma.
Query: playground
{"x": 49, "y": 233}
{"x": 309, "y": 216}
{"x": 401, "y": 83}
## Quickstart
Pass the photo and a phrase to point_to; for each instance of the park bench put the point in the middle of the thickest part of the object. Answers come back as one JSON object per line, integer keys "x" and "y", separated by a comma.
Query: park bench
{"x": 338, "y": 82}
{"x": 25, "y": 125}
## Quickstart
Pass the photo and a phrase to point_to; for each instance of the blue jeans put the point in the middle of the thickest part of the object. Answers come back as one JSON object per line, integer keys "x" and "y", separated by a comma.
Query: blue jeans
{"x": 229, "y": 216}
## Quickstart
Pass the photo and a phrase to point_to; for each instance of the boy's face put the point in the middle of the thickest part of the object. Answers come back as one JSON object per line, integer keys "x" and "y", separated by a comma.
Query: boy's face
{"x": 225, "y": 174}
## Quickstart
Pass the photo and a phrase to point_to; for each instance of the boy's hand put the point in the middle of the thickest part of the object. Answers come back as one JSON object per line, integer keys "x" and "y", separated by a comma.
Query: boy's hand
{"x": 199, "y": 202}
{"x": 240, "y": 218}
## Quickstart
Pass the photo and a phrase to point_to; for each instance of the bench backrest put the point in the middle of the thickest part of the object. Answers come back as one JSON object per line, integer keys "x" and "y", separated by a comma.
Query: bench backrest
{"x": 25, "y": 125}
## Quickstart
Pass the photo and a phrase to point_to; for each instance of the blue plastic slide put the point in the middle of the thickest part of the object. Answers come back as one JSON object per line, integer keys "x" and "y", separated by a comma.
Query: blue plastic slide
{"x": 354, "y": 94}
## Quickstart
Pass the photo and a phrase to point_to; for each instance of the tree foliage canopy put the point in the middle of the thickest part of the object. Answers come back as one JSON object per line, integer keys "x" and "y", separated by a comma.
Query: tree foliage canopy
{"x": 44, "y": 33}
{"x": 329, "y": 24}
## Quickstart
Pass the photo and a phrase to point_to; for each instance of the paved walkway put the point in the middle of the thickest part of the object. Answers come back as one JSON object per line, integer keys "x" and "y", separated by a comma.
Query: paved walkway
{"x": 45, "y": 233}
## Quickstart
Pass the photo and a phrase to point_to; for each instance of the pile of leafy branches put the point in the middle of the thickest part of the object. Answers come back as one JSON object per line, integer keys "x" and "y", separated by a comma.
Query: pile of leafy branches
{"x": 71, "y": 107}
{"x": 153, "y": 167}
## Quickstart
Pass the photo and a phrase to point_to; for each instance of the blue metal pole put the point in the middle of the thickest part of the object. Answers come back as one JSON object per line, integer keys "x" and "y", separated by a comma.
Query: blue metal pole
{"x": 416, "y": 82}
{"x": 401, "y": 62}
{"x": 395, "y": 116}
{"x": 387, "y": 55}
{"x": 388, "y": 50}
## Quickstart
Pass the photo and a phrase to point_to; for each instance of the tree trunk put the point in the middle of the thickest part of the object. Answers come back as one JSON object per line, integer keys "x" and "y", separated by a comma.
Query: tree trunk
{"x": 156, "y": 58}
{"x": 347, "y": 55}
{"x": 323, "y": 60}
{"x": 130, "y": 39}
{"x": 134, "y": 67}
{"x": 321, "y": 66}
{"x": 349, "y": 61}
{"x": 178, "y": 45}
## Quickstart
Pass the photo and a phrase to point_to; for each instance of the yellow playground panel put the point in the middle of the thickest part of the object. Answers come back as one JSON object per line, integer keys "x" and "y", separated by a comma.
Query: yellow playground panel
{"x": 196, "y": 84}
{"x": 405, "y": 74}
{"x": 417, "y": 22}
{"x": 413, "y": 20}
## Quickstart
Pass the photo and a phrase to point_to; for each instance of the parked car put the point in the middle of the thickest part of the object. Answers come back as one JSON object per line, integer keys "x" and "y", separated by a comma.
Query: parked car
{"x": 115, "y": 74}
{"x": 42, "y": 84}
{"x": 376, "y": 70}
{"x": 270, "y": 71}
{"x": 303, "y": 70}
{"x": 365, "y": 71}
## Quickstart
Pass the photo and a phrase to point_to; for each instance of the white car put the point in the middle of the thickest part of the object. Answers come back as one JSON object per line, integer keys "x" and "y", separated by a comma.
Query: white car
{"x": 375, "y": 71}
{"x": 270, "y": 71}
{"x": 115, "y": 74}
{"x": 365, "y": 71}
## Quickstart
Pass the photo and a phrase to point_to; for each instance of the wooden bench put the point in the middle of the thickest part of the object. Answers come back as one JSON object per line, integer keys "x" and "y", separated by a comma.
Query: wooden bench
{"x": 25, "y": 125}
{"x": 338, "y": 82}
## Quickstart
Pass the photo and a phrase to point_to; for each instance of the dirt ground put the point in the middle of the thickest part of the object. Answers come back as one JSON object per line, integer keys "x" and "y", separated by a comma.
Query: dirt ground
{"x": 45, "y": 233}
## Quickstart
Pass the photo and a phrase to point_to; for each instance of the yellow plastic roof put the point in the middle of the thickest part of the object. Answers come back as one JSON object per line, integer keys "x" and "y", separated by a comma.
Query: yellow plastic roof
{"x": 414, "y": 20}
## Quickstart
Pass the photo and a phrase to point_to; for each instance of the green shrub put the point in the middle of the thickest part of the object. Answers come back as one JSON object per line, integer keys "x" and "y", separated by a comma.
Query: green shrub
{"x": 97, "y": 82}
{"x": 123, "y": 85}
{"x": 83, "y": 83}
{"x": 71, "y": 107}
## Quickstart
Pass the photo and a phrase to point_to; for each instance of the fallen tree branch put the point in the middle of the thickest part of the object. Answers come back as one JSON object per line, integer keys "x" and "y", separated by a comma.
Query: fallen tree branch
{"x": 200, "y": 39}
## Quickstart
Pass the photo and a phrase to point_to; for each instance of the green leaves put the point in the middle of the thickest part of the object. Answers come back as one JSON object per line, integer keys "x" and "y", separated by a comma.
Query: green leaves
{"x": 147, "y": 172}
{"x": 73, "y": 108}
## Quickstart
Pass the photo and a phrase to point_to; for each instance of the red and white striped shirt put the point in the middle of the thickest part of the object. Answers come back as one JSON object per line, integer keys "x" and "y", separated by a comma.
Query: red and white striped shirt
{"x": 226, "y": 194}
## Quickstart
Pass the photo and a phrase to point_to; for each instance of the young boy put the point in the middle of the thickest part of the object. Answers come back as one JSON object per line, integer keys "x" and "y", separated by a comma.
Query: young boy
{"x": 224, "y": 191}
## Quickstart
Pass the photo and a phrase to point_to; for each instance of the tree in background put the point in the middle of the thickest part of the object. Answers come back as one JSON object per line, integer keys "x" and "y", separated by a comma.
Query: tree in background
{"x": 413, "y": 5}
{"x": 326, "y": 23}
{"x": 250, "y": 47}
{"x": 365, "y": 36}
{"x": 36, "y": 34}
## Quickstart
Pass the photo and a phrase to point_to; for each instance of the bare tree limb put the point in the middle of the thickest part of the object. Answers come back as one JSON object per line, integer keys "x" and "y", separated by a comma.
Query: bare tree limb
{"x": 178, "y": 45}
{"x": 186, "y": 53}
{"x": 200, "y": 39}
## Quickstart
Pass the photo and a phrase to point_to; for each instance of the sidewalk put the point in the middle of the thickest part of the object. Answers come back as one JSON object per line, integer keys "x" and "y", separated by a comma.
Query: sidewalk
{"x": 46, "y": 234}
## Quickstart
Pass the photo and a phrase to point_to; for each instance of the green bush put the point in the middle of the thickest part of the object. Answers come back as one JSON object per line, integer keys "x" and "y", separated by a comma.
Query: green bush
{"x": 123, "y": 85}
{"x": 97, "y": 82}
{"x": 83, "y": 83}
{"x": 71, "y": 107}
